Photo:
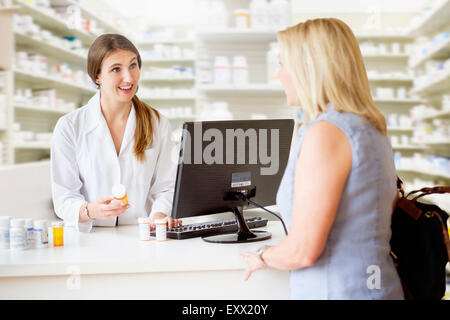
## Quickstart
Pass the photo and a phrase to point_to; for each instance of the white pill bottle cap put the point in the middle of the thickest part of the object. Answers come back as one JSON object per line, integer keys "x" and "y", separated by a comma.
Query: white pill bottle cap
{"x": 145, "y": 220}
{"x": 161, "y": 221}
{"x": 118, "y": 191}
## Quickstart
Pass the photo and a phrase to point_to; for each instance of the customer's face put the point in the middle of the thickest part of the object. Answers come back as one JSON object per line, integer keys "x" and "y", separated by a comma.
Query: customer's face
{"x": 288, "y": 85}
{"x": 119, "y": 75}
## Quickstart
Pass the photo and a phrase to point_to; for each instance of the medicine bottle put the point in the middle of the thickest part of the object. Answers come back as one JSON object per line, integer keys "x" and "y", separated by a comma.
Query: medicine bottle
{"x": 278, "y": 14}
{"x": 240, "y": 71}
{"x": 4, "y": 232}
{"x": 119, "y": 193}
{"x": 242, "y": 18}
{"x": 40, "y": 234}
{"x": 204, "y": 71}
{"x": 273, "y": 65}
{"x": 17, "y": 235}
{"x": 30, "y": 233}
{"x": 258, "y": 14}
{"x": 58, "y": 233}
{"x": 144, "y": 229}
{"x": 161, "y": 229}
{"x": 222, "y": 71}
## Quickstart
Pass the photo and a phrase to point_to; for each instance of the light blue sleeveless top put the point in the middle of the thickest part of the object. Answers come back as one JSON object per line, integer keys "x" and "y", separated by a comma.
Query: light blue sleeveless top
{"x": 355, "y": 263}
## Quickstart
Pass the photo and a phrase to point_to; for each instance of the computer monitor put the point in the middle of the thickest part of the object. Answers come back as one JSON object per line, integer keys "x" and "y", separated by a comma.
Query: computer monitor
{"x": 219, "y": 160}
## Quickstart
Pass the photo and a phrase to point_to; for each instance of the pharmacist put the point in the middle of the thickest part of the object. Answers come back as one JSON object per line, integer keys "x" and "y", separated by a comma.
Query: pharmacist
{"x": 115, "y": 138}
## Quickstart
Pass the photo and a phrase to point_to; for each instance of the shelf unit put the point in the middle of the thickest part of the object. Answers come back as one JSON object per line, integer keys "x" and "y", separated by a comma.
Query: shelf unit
{"x": 431, "y": 87}
{"x": 169, "y": 62}
{"x": 33, "y": 117}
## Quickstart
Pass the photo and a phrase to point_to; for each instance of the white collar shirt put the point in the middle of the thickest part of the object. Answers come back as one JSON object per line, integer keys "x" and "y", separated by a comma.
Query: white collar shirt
{"x": 85, "y": 166}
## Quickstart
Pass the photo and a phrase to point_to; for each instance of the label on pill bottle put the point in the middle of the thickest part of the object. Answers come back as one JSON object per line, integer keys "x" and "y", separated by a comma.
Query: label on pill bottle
{"x": 161, "y": 229}
{"x": 144, "y": 229}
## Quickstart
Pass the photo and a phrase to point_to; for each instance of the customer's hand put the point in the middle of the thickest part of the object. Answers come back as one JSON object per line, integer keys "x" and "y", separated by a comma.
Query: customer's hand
{"x": 171, "y": 223}
{"x": 253, "y": 263}
{"x": 105, "y": 208}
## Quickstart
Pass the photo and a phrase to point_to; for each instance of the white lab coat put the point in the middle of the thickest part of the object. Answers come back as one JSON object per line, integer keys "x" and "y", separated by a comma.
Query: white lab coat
{"x": 85, "y": 166}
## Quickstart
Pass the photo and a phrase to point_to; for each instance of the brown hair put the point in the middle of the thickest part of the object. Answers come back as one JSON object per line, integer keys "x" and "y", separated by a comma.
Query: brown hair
{"x": 145, "y": 121}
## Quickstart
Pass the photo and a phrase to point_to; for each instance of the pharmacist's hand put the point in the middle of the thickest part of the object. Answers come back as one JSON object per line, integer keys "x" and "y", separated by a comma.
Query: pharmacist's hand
{"x": 171, "y": 223}
{"x": 104, "y": 208}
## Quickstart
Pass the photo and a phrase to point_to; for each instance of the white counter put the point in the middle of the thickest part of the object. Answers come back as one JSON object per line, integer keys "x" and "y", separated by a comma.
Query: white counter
{"x": 111, "y": 263}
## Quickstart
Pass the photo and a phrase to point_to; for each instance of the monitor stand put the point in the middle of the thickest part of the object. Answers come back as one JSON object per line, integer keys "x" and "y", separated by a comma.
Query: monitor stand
{"x": 243, "y": 235}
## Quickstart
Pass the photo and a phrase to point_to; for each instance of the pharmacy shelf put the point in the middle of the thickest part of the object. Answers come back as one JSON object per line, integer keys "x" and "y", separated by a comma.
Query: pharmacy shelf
{"x": 408, "y": 101}
{"x": 432, "y": 20}
{"x": 32, "y": 145}
{"x": 174, "y": 79}
{"x": 167, "y": 60}
{"x": 408, "y": 148}
{"x": 437, "y": 115}
{"x": 171, "y": 98}
{"x": 48, "y": 20}
{"x": 37, "y": 44}
{"x": 88, "y": 13}
{"x": 431, "y": 174}
{"x": 238, "y": 36}
{"x": 438, "y": 143}
{"x": 400, "y": 129}
{"x": 439, "y": 84}
{"x": 387, "y": 56}
{"x": 46, "y": 110}
{"x": 56, "y": 82}
{"x": 441, "y": 51}
{"x": 392, "y": 80}
{"x": 164, "y": 41}
{"x": 183, "y": 118}
{"x": 383, "y": 37}
{"x": 250, "y": 89}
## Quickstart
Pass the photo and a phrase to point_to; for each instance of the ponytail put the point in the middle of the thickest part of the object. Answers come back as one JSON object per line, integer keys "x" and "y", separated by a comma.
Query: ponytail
{"x": 145, "y": 123}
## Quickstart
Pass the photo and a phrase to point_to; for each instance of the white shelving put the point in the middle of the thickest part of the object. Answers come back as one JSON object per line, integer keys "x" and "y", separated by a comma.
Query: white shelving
{"x": 62, "y": 80}
{"x": 440, "y": 51}
{"x": 438, "y": 83}
{"x": 431, "y": 84}
{"x": 432, "y": 20}
{"x": 53, "y": 81}
{"x": 168, "y": 71}
{"x": 34, "y": 43}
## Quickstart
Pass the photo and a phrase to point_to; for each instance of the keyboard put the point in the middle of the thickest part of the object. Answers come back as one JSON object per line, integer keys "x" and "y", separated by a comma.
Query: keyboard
{"x": 211, "y": 228}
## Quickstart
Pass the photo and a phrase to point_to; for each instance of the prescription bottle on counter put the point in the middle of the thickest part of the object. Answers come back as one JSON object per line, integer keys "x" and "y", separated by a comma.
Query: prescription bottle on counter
{"x": 161, "y": 229}
{"x": 17, "y": 235}
{"x": 58, "y": 233}
{"x": 144, "y": 229}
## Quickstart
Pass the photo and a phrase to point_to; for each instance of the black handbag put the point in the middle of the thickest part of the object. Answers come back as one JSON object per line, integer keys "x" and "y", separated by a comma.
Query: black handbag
{"x": 420, "y": 244}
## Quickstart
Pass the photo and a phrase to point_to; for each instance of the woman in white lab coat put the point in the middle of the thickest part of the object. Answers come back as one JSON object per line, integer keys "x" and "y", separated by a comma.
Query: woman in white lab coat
{"x": 114, "y": 138}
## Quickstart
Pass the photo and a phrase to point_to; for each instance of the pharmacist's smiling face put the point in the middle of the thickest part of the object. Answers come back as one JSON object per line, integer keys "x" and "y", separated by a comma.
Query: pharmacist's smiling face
{"x": 119, "y": 75}
{"x": 288, "y": 85}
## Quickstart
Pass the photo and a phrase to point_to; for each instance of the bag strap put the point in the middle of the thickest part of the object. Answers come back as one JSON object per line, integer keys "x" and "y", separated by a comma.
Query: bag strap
{"x": 427, "y": 191}
{"x": 400, "y": 187}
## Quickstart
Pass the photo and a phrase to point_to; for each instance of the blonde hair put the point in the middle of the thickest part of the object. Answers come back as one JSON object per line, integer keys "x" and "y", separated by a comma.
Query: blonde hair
{"x": 326, "y": 66}
{"x": 145, "y": 121}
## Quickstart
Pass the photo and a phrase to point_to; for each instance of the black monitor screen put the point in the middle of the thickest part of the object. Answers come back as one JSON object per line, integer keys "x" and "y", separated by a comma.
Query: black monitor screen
{"x": 217, "y": 157}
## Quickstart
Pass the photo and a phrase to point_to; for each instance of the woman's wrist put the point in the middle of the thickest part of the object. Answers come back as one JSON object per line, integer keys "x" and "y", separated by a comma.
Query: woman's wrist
{"x": 86, "y": 212}
{"x": 90, "y": 210}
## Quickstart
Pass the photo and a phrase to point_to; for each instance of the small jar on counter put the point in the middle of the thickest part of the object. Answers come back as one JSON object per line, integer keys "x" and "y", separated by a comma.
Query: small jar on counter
{"x": 17, "y": 235}
{"x": 4, "y": 232}
{"x": 58, "y": 233}
{"x": 40, "y": 234}
{"x": 161, "y": 229}
{"x": 144, "y": 229}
